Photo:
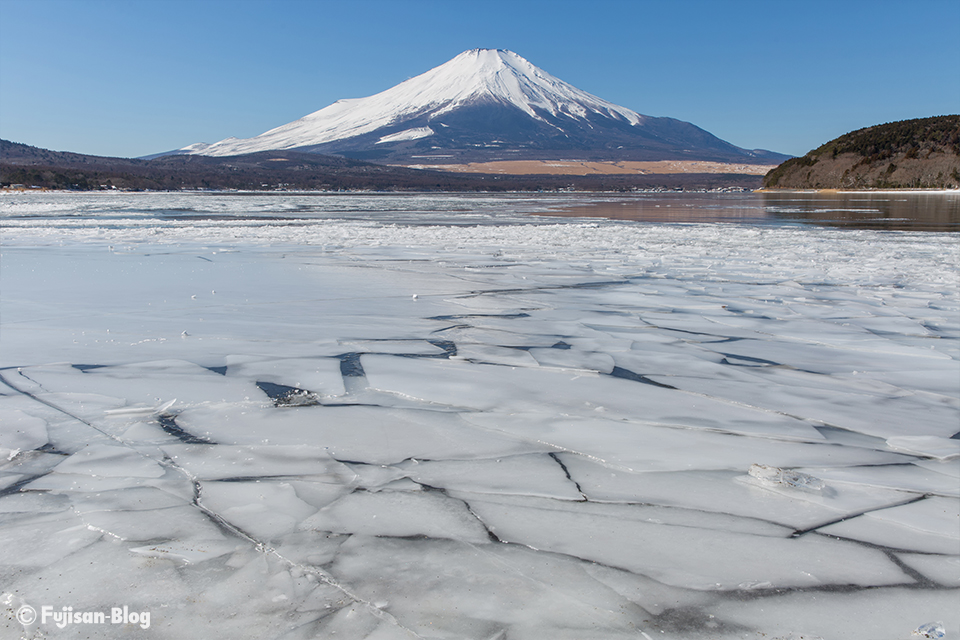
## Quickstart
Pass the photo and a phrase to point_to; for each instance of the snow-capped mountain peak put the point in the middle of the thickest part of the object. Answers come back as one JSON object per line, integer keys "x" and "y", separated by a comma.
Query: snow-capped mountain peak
{"x": 479, "y": 75}
{"x": 503, "y": 76}
{"x": 484, "y": 104}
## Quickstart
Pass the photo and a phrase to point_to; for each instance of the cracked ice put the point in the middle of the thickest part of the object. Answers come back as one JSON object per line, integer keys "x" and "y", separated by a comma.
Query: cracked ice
{"x": 435, "y": 417}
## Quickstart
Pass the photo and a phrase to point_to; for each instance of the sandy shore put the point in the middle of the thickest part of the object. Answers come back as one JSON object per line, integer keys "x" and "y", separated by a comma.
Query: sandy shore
{"x": 583, "y": 168}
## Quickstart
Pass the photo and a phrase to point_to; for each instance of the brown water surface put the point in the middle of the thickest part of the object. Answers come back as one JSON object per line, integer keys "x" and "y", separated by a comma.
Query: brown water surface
{"x": 891, "y": 210}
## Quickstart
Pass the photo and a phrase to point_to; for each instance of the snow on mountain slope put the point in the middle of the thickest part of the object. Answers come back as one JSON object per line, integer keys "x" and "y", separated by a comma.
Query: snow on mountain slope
{"x": 409, "y": 134}
{"x": 472, "y": 76}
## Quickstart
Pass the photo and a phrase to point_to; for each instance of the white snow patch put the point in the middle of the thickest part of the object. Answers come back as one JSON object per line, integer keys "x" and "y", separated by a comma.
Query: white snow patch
{"x": 409, "y": 134}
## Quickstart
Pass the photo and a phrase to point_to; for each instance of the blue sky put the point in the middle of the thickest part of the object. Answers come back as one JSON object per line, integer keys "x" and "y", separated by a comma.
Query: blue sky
{"x": 134, "y": 77}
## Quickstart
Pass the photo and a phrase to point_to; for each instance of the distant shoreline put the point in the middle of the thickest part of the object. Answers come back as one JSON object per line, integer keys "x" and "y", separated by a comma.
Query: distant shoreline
{"x": 576, "y": 167}
{"x": 398, "y": 192}
{"x": 730, "y": 189}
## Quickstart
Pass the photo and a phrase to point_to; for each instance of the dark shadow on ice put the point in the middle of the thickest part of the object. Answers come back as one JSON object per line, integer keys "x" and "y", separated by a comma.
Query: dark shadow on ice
{"x": 756, "y": 361}
{"x": 350, "y": 366}
{"x": 257, "y": 478}
{"x": 461, "y": 316}
{"x": 566, "y": 472}
{"x": 519, "y": 347}
{"x": 20, "y": 484}
{"x": 626, "y": 374}
{"x": 748, "y": 361}
{"x": 87, "y": 367}
{"x": 168, "y": 422}
{"x": 284, "y": 396}
{"x": 221, "y": 370}
{"x": 448, "y": 346}
{"x": 49, "y": 448}
{"x": 549, "y": 287}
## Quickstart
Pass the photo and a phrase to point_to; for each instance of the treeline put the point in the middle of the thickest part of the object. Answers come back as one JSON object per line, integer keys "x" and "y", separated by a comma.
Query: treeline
{"x": 940, "y": 133}
{"x": 32, "y": 167}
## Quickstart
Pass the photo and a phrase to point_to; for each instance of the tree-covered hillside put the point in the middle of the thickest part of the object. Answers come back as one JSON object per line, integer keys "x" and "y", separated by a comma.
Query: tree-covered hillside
{"x": 23, "y": 166}
{"x": 922, "y": 153}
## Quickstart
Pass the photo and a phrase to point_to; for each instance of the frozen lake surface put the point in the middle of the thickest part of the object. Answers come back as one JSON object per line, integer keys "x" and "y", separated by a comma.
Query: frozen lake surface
{"x": 282, "y": 416}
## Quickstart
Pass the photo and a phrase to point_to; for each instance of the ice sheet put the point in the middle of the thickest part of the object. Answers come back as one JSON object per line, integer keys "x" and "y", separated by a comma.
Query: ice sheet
{"x": 931, "y": 525}
{"x": 426, "y": 416}
{"x": 728, "y": 492}
{"x": 399, "y": 514}
{"x": 894, "y": 613}
{"x": 682, "y": 553}
{"x": 22, "y": 432}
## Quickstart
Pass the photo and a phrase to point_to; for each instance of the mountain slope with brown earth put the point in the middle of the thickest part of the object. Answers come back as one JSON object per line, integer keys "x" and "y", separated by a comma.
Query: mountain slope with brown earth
{"x": 587, "y": 168}
{"x": 910, "y": 154}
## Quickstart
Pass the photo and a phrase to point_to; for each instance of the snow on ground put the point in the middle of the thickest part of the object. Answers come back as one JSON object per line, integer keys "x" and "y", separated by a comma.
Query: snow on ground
{"x": 433, "y": 417}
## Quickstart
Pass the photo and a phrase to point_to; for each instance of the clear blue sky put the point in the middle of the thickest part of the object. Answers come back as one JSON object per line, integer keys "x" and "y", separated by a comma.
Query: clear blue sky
{"x": 134, "y": 77}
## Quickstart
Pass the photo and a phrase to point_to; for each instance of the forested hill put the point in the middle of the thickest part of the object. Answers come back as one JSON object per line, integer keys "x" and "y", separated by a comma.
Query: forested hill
{"x": 921, "y": 154}
{"x": 23, "y": 166}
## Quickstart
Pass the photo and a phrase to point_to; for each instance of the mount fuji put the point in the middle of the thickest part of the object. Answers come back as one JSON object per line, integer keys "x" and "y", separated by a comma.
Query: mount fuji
{"x": 486, "y": 105}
